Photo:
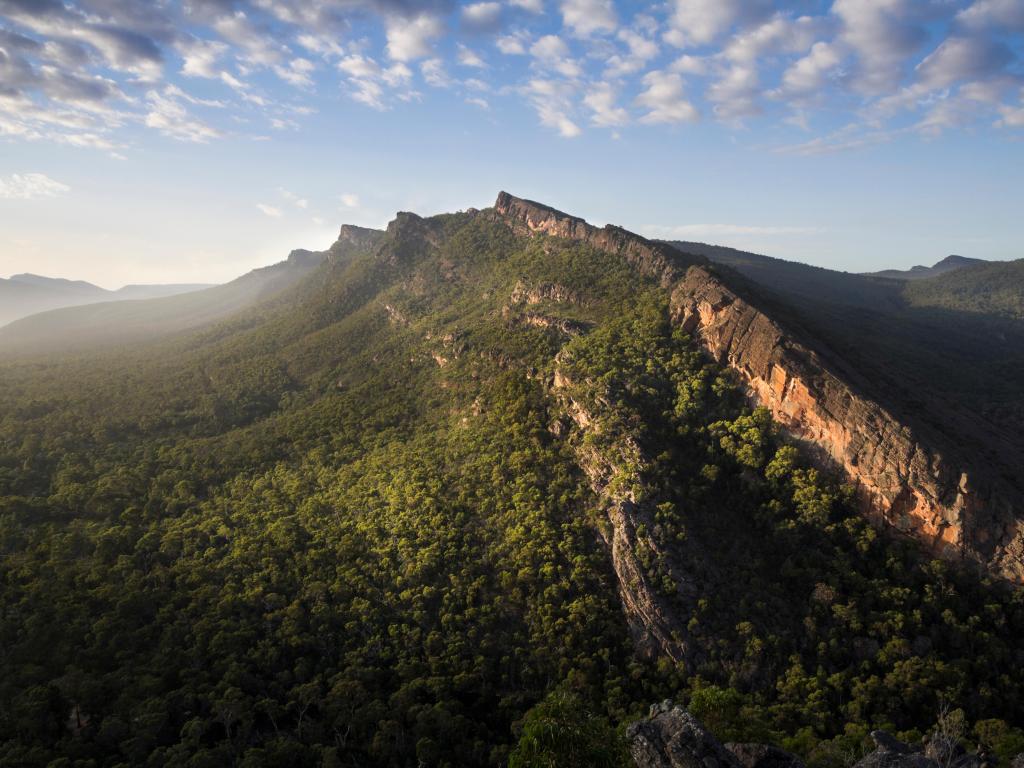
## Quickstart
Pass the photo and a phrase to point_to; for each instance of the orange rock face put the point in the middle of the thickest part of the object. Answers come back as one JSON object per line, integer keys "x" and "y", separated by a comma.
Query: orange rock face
{"x": 917, "y": 485}
{"x": 901, "y": 480}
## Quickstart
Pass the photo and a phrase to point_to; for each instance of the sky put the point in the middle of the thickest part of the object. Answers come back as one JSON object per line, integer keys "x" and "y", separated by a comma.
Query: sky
{"x": 192, "y": 141}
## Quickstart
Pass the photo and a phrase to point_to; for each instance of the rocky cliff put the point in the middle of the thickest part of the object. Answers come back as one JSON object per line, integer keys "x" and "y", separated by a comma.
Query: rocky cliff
{"x": 917, "y": 484}
{"x": 651, "y": 259}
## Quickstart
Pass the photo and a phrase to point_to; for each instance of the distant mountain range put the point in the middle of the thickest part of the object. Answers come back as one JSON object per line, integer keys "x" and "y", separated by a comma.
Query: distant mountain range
{"x": 948, "y": 264}
{"x": 105, "y": 322}
{"x": 27, "y": 294}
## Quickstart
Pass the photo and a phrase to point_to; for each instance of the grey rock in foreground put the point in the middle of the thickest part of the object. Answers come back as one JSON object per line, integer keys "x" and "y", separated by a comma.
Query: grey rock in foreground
{"x": 671, "y": 737}
{"x": 752, "y": 755}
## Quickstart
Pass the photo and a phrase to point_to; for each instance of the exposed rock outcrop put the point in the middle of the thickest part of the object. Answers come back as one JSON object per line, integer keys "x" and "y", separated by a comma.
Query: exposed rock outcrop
{"x": 656, "y": 627}
{"x": 525, "y": 294}
{"x": 890, "y": 752}
{"x": 671, "y": 737}
{"x": 914, "y": 485}
{"x": 353, "y": 239}
{"x": 649, "y": 258}
{"x": 751, "y": 755}
{"x": 907, "y": 478}
{"x": 301, "y": 257}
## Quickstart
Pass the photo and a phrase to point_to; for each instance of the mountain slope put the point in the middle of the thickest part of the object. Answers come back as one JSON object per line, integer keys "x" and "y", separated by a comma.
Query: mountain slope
{"x": 24, "y": 295}
{"x": 948, "y": 264}
{"x": 950, "y": 373}
{"x": 469, "y": 468}
{"x": 989, "y": 288}
{"x": 98, "y": 325}
{"x": 802, "y": 281}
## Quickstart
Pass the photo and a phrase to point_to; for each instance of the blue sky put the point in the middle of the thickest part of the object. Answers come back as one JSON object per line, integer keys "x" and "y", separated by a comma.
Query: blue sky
{"x": 192, "y": 141}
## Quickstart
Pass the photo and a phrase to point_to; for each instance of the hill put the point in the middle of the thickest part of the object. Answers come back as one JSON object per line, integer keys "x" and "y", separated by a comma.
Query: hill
{"x": 489, "y": 463}
{"x": 989, "y": 288}
{"x": 948, "y": 264}
{"x": 99, "y": 325}
{"x": 24, "y": 295}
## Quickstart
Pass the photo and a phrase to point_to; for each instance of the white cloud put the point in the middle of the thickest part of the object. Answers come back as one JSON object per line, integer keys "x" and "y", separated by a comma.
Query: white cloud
{"x": 552, "y": 53}
{"x": 690, "y": 65}
{"x": 883, "y": 33}
{"x": 1012, "y": 117}
{"x": 735, "y": 93}
{"x": 780, "y": 34}
{"x": 296, "y": 72}
{"x": 322, "y": 46}
{"x": 410, "y": 38}
{"x": 601, "y": 100}
{"x": 478, "y": 102}
{"x": 549, "y": 48}
{"x": 641, "y": 49}
{"x": 700, "y": 22}
{"x": 255, "y": 47}
{"x": 533, "y": 6}
{"x": 350, "y": 200}
{"x": 962, "y": 58}
{"x": 811, "y": 73}
{"x": 30, "y": 186}
{"x": 665, "y": 100}
{"x": 513, "y": 44}
{"x": 200, "y": 58}
{"x": 469, "y": 58}
{"x": 176, "y": 92}
{"x": 586, "y": 17}
{"x": 434, "y": 73}
{"x": 1007, "y": 14}
{"x": 553, "y": 102}
{"x": 368, "y": 79}
{"x": 269, "y": 210}
{"x": 482, "y": 16}
{"x": 170, "y": 117}
{"x": 298, "y": 202}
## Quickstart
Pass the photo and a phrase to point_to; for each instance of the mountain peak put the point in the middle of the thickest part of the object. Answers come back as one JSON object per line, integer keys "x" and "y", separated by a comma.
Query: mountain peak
{"x": 954, "y": 260}
{"x": 31, "y": 279}
{"x": 650, "y": 258}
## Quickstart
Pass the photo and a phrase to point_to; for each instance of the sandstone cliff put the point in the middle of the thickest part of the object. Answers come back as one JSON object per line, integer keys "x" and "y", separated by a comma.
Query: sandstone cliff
{"x": 906, "y": 478}
{"x": 649, "y": 258}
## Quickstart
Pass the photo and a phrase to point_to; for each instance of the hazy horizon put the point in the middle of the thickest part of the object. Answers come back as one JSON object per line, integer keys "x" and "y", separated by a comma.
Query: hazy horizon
{"x": 679, "y": 235}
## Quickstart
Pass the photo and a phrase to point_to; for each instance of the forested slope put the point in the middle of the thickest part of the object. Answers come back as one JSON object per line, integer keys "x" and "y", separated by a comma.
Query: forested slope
{"x": 374, "y": 522}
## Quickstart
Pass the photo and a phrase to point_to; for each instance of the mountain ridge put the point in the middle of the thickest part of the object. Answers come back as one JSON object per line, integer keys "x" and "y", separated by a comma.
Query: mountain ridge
{"x": 103, "y": 324}
{"x": 944, "y": 266}
{"x": 25, "y": 294}
{"x": 921, "y": 489}
{"x": 439, "y": 489}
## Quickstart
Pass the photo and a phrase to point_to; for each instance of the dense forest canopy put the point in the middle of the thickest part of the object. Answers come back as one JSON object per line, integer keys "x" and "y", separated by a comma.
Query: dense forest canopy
{"x": 352, "y": 526}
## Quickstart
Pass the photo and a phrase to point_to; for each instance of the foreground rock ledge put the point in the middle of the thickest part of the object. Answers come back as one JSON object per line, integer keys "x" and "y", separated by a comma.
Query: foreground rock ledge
{"x": 671, "y": 737}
